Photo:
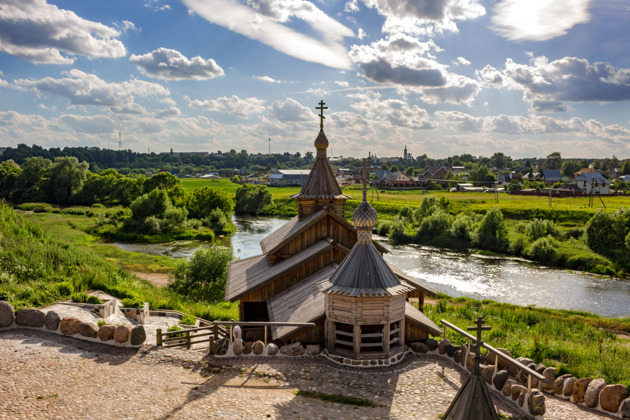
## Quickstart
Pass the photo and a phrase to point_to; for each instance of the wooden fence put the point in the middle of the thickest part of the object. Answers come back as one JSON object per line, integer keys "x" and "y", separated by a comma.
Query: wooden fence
{"x": 216, "y": 330}
{"x": 530, "y": 372}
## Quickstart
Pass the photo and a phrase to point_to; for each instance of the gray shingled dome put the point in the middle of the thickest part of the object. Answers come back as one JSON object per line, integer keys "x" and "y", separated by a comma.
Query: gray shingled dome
{"x": 364, "y": 216}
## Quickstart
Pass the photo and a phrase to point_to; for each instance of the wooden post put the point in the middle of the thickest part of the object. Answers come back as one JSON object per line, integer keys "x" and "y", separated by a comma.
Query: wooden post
{"x": 231, "y": 333}
{"x": 496, "y": 363}
{"x": 188, "y": 339}
{"x": 332, "y": 333}
{"x": 356, "y": 333}
{"x": 529, "y": 383}
{"x": 265, "y": 327}
{"x": 158, "y": 336}
{"x": 386, "y": 337}
{"x": 401, "y": 333}
{"x": 445, "y": 331}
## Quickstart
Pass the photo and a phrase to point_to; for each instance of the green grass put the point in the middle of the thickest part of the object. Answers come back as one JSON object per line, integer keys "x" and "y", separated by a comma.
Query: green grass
{"x": 36, "y": 261}
{"x": 338, "y": 398}
{"x": 584, "y": 344}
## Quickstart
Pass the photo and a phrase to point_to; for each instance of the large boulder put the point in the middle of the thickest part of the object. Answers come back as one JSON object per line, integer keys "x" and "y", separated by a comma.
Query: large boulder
{"x": 536, "y": 403}
{"x": 295, "y": 349}
{"x": 106, "y": 332}
{"x": 88, "y": 329}
{"x": 272, "y": 349}
{"x": 500, "y": 379}
{"x": 137, "y": 335}
{"x": 524, "y": 375}
{"x": 313, "y": 349}
{"x": 558, "y": 385}
{"x": 121, "y": 334}
{"x": 443, "y": 345}
{"x": 221, "y": 346}
{"x": 507, "y": 387}
{"x": 237, "y": 347}
{"x": 569, "y": 387}
{"x": 7, "y": 314}
{"x": 259, "y": 347}
{"x": 514, "y": 370}
{"x": 550, "y": 374}
{"x": 487, "y": 372}
{"x": 52, "y": 320}
{"x": 502, "y": 363}
{"x": 419, "y": 347}
{"x": 30, "y": 317}
{"x": 611, "y": 397}
{"x": 432, "y": 344}
{"x": 457, "y": 356}
{"x": 69, "y": 325}
{"x": 247, "y": 348}
{"x": 516, "y": 390}
{"x": 625, "y": 409}
{"x": 540, "y": 368}
{"x": 591, "y": 398}
{"x": 450, "y": 350}
{"x": 579, "y": 389}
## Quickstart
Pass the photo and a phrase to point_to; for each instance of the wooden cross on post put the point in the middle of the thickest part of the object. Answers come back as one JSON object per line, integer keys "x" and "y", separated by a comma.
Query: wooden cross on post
{"x": 365, "y": 171}
{"x": 479, "y": 327}
{"x": 321, "y": 108}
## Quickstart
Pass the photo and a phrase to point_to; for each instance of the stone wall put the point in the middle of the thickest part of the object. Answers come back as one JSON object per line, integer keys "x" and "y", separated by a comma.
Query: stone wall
{"x": 139, "y": 315}
{"x": 512, "y": 382}
{"x": 121, "y": 335}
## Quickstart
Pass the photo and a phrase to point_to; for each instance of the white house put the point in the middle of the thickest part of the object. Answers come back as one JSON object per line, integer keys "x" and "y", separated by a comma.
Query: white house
{"x": 594, "y": 181}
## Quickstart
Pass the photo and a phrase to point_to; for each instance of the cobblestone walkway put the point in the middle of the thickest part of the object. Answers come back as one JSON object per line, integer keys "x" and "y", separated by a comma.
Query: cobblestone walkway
{"x": 45, "y": 376}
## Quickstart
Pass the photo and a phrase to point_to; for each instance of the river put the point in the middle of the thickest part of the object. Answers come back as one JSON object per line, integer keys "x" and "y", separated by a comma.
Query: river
{"x": 456, "y": 273}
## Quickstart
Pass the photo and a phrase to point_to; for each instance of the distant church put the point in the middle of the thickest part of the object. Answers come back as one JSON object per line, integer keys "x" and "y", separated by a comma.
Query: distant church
{"x": 319, "y": 268}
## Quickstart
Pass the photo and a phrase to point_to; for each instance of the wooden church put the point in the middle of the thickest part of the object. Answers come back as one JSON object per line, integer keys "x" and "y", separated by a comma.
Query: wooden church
{"x": 319, "y": 268}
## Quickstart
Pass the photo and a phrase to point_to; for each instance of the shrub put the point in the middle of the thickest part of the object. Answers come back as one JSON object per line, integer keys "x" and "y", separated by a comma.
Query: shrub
{"x": 204, "y": 200}
{"x": 436, "y": 224}
{"x": 64, "y": 289}
{"x": 219, "y": 223}
{"x": 93, "y": 300}
{"x": 132, "y": 303}
{"x": 79, "y": 297}
{"x": 252, "y": 199}
{"x": 175, "y": 328}
{"x": 605, "y": 231}
{"x": 203, "y": 276}
{"x": 383, "y": 228}
{"x": 543, "y": 250}
{"x": 462, "y": 227}
{"x": 538, "y": 228}
{"x": 397, "y": 235}
{"x": 518, "y": 245}
{"x": 492, "y": 233}
{"x": 188, "y": 320}
{"x": 101, "y": 322}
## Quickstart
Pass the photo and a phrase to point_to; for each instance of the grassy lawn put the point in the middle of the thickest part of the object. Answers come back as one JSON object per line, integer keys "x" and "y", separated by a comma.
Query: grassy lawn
{"x": 576, "y": 342}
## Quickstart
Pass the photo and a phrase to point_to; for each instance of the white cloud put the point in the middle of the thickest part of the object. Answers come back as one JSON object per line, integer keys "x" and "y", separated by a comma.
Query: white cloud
{"x": 266, "y": 79}
{"x": 233, "y": 105}
{"x": 351, "y": 6}
{"x": 393, "y": 112}
{"x": 399, "y": 59}
{"x": 461, "y": 61}
{"x": 361, "y": 33}
{"x": 425, "y": 17}
{"x": 538, "y": 20}
{"x": 291, "y": 110}
{"x": 263, "y": 20}
{"x": 546, "y": 85}
{"x": 342, "y": 84}
{"x": 490, "y": 76}
{"x": 42, "y": 33}
{"x": 164, "y": 63}
{"x": 88, "y": 89}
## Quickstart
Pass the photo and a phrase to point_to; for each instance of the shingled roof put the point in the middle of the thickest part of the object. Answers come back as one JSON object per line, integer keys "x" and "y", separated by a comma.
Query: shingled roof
{"x": 321, "y": 182}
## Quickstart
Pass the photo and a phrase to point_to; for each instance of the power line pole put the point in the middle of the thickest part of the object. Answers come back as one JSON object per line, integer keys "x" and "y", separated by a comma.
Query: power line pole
{"x": 269, "y": 147}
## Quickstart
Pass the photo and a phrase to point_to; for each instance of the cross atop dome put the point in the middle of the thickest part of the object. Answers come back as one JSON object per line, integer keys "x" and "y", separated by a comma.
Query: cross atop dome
{"x": 321, "y": 108}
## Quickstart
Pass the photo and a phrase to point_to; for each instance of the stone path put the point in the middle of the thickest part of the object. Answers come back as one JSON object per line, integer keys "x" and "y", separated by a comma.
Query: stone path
{"x": 45, "y": 376}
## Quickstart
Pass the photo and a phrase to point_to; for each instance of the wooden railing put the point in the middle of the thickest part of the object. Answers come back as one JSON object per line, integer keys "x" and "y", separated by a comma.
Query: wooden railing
{"x": 211, "y": 333}
{"x": 471, "y": 339}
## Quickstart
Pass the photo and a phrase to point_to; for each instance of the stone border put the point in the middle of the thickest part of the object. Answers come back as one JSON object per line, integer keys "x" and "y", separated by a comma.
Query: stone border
{"x": 137, "y": 314}
{"x": 104, "y": 310}
{"x": 367, "y": 363}
{"x": 51, "y": 322}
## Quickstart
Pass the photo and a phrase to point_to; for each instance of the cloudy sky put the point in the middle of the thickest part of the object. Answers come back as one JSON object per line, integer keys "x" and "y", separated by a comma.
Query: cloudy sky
{"x": 444, "y": 77}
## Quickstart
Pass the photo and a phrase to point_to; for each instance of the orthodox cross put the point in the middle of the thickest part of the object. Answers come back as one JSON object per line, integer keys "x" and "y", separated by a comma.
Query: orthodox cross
{"x": 479, "y": 327}
{"x": 321, "y": 108}
{"x": 365, "y": 170}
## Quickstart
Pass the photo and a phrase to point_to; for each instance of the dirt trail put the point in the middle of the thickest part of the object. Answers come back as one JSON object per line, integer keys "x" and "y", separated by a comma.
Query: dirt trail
{"x": 157, "y": 279}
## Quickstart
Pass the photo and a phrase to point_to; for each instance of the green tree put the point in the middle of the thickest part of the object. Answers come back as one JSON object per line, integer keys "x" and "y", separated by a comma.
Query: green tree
{"x": 163, "y": 181}
{"x": 499, "y": 160}
{"x": 9, "y": 172}
{"x": 30, "y": 183}
{"x": 605, "y": 231}
{"x": 625, "y": 168}
{"x": 482, "y": 175}
{"x": 554, "y": 161}
{"x": 252, "y": 199}
{"x": 204, "y": 276}
{"x": 570, "y": 167}
{"x": 67, "y": 176}
{"x": 492, "y": 233}
{"x": 204, "y": 200}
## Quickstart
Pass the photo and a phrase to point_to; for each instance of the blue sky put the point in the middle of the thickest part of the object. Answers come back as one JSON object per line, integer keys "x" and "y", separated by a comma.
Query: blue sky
{"x": 444, "y": 77}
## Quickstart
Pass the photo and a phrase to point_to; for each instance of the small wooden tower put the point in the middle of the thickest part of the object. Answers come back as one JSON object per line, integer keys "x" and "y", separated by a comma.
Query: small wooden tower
{"x": 365, "y": 300}
{"x": 473, "y": 401}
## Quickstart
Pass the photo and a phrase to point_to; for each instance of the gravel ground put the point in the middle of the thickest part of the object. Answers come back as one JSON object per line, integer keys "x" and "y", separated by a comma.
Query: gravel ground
{"x": 44, "y": 376}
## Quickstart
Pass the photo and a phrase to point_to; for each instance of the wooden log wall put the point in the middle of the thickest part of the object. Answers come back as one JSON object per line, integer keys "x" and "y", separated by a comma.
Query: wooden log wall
{"x": 414, "y": 333}
{"x": 364, "y": 311}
